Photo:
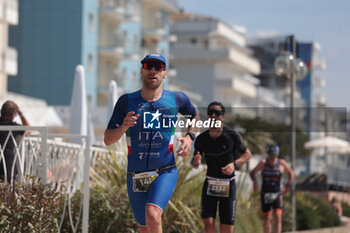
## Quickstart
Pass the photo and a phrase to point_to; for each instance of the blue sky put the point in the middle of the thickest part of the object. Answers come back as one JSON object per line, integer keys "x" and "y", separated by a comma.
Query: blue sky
{"x": 324, "y": 21}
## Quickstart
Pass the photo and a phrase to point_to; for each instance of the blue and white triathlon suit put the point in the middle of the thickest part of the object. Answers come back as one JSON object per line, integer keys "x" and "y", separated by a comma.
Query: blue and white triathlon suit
{"x": 150, "y": 144}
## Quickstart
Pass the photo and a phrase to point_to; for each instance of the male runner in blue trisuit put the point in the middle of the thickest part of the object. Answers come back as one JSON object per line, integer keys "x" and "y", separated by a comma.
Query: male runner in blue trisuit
{"x": 148, "y": 118}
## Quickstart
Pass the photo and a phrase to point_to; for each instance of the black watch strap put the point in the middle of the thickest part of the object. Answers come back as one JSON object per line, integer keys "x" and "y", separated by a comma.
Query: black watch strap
{"x": 236, "y": 165}
{"x": 192, "y": 136}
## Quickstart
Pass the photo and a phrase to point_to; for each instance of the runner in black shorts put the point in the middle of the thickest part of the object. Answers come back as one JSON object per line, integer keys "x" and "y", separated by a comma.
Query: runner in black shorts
{"x": 272, "y": 170}
{"x": 220, "y": 147}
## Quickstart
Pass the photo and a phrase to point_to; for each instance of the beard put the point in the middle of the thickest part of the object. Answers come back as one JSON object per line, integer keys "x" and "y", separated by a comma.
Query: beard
{"x": 152, "y": 85}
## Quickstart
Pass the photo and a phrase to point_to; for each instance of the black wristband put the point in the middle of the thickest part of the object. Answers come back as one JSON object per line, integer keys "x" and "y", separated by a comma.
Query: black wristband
{"x": 236, "y": 165}
{"x": 192, "y": 136}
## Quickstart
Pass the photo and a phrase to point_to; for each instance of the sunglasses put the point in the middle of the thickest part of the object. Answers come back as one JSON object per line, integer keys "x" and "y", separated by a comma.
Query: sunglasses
{"x": 158, "y": 66}
{"x": 215, "y": 112}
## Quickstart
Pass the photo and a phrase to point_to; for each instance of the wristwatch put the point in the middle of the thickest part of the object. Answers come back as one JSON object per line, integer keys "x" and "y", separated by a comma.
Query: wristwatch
{"x": 192, "y": 136}
{"x": 236, "y": 165}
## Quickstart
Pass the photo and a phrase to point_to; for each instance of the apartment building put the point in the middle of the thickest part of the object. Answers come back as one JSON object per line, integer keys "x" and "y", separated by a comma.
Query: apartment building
{"x": 8, "y": 55}
{"x": 213, "y": 59}
{"x": 119, "y": 45}
{"x": 52, "y": 38}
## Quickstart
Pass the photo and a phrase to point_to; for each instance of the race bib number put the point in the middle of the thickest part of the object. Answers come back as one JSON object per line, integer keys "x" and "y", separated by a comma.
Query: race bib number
{"x": 270, "y": 197}
{"x": 218, "y": 188}
{"x": 142, "y": 181}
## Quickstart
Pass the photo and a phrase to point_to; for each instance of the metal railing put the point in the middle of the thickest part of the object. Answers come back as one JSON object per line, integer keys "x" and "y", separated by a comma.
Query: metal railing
{"x": 53, "y": 159}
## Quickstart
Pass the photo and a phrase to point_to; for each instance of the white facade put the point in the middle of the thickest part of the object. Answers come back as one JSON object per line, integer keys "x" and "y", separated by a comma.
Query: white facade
{"x": 156, "y": 35}
{"x": 128, "y": 30}
{"x": 8, "y": 56}
{"x": 119, "y": 44}
{"x": 213, "y": 59}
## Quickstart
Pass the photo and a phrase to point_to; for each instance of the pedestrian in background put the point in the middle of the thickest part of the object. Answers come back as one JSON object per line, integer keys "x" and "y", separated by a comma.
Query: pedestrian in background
{"x": 9, "y": 139}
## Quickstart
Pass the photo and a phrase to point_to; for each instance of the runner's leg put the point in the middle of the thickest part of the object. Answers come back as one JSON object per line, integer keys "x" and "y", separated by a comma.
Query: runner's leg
{"x": 209, "y": 225}
{"x": 159, "y": 194}
{"x": 277, "y": 220}
{"x": 227, "y": 210}
{"x": 154, "y": 219}
{"x": 224, "y": 228}
{"x": 267, "y": 221}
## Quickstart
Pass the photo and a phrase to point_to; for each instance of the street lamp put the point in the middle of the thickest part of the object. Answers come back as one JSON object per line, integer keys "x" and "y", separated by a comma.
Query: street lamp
{"x": 295, "y": 70}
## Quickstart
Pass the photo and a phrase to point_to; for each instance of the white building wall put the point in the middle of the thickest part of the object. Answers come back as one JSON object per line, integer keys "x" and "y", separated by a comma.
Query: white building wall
{"x": 215, "y": 58}
{"x": 198, "y": 76}
{"x": 8, "y": 56}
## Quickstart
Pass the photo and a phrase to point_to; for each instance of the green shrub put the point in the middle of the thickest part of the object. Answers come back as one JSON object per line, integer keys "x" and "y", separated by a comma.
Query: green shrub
{"x": 287, "y": 223}
{"x": 346, "y": 209}
{"x": 306, "y": 217}
{"x": 29, "y": 207}
{"x": 109, "y": 211}
{"x": 248, "y": 215}
{"x": 182, "y": 214}
{"x": 328, "y": 218}
{"x": 321, "y": 211}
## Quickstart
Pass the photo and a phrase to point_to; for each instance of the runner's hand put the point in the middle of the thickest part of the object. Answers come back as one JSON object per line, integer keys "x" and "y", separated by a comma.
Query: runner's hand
{"x": 255, "y": 187}
{"x": 130, "y": 120}
{"x": 286, "y": 189}
{"x": 228, "y": 169}
{"x": 196, "y": 160}
{"x": 185, "y": 147}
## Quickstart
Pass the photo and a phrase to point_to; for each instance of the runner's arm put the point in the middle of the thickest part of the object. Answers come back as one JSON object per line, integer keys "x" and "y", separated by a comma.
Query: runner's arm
{"x": 257, "y": 169}
{"x": 243, "y": 159}
{"x": 113, "y": 135}
{"x": 186, "y": 141}
{"x": 290, "y": 173}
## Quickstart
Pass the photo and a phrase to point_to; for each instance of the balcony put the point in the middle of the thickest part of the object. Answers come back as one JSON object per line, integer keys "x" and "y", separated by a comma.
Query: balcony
{"x": 8, "y": 61}
{"x": 2, "y": 8}
{"x": 242, "y": 62}
{"x": 319, "y": 80}
{"x": 169, "y": 6}
{"x": 12, "y": 12}
{"x": 226, "y": 35}
{"x": 113, "y": 52}
{"x": 270, "y": 98}
{"x": 236, "y": 86}
{"x": 118, "y": 10}
{"x": 9, "y": 11}
{"x": 154, "y": 34}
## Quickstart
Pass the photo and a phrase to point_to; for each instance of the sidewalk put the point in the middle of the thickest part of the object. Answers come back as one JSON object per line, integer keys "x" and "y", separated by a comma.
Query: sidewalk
{"x": 326, "y": 230}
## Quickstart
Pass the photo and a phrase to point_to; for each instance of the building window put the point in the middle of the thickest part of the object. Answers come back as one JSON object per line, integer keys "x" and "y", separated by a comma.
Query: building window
{"x": 206, "y": 44}
{"x": 124, "y": 76}
{"x": 91, "y": 22}
{"x": 125, "y": 38}
{"x": 89, "y": 100}
{"x": 90, "y": 63}
{"x": 134, "y": 79}
{"x": 136, "y": 44}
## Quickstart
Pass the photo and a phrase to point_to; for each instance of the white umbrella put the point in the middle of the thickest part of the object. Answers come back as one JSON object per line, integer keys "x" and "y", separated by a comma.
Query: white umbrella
{"x": 328, "y": 142}
{"x": 345, "y": 150}
{"x": 78, "y": 107}
{"x": 112, "y": 98}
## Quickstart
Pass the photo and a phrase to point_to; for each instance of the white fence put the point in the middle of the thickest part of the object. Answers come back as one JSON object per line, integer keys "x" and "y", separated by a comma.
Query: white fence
{"x": 54, "y": 159}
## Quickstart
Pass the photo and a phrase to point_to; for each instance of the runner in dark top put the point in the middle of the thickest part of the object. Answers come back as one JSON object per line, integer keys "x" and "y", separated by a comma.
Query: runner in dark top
{"x": 9, "y": 110}
{"x": 224, "y": 152}
{"x": 272, "y": 170}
